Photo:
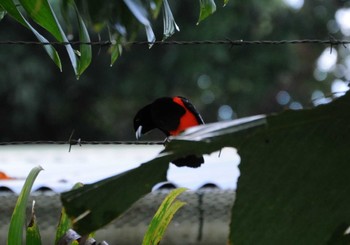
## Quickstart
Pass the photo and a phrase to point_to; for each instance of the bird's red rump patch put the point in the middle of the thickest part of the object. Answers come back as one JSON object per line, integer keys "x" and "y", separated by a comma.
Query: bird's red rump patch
{"x": 186, "y": 121}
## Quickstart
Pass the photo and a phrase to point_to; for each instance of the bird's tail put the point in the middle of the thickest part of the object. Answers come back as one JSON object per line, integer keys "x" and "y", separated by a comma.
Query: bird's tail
{"x": 191, "y": 161}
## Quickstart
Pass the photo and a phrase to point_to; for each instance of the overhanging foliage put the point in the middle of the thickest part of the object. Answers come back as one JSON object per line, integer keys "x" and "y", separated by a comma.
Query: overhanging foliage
{"x": 122, "y": 19}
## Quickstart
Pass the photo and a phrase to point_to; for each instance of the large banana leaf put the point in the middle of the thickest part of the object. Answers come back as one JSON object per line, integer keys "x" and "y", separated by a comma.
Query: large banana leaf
{"x": 294, "y": 185}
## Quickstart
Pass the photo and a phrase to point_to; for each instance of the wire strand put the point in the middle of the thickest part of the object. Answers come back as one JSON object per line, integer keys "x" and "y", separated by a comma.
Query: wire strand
{"x": 332, "y": 42}
{"x": 81, "y": 142}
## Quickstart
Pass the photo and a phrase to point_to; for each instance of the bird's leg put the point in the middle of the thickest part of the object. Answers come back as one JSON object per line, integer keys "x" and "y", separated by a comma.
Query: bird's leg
{"x": 166, "y": 141}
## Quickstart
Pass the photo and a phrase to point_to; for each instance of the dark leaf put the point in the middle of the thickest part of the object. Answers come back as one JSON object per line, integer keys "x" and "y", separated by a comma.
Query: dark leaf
{"x": 294, "y": 186}
{"x": 95, "y": 205}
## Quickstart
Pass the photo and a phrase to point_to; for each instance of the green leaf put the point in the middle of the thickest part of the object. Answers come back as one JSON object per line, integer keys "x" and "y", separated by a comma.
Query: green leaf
{"x": 41, "y": 12}
{"x": 138, "y": 10}
{"x": 85, "y": 49}
{"x": 63, "y": 226}
{"x": 95, "y": 205}
{"x": 18, "y": 218}
{"x": 207, "y": 7}
{"x": 12, "y": 10}
{"x": 116, "y": 51}
{"x": 33, "y": 234}
{"x": 10, "y": 7}
{"x": 294, "y": 186}
{"x": 169, "y": 23}
{"x": 225, "y": 2}
{"x": 162, "y": 218}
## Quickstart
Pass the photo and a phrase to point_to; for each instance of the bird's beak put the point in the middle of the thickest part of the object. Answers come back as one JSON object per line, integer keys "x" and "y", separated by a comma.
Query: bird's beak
{"x": 139, "y": 132}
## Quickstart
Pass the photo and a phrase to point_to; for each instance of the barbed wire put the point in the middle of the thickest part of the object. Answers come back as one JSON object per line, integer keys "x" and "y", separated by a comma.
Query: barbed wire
{"x": 80, "y": 142}
{"x": 331, "y": 41}
{"x": 72, "y": 142}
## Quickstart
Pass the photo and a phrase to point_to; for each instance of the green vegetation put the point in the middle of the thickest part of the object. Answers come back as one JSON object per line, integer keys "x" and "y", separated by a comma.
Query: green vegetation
{"x": 121, "y": 18}
{"x": 162, "y": 218}
{"x": 19, "y": 214}
{"x": 65, "y": 234}
{"x": 33, "y": 233}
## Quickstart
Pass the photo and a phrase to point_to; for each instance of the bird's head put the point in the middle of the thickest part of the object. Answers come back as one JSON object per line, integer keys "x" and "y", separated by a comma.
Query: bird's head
{"x": 143, "y": 121}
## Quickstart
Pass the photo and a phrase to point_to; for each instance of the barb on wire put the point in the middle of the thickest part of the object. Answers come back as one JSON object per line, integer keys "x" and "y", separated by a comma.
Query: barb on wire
{"x": 70, "y": 140}
{"x": 330, "y": 41}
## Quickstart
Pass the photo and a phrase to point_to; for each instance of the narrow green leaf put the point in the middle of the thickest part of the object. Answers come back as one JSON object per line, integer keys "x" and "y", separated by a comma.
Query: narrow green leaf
{"x": 116, "y": 51}
{"x": 33, "y": 233}
{"x": 162, "y": 218}
{"x": 41, "y": 12}
{"x": 63, "y": 226}
{"x": 169, "y": 23}
{"x": 12, "y": 10}
{"x": 18, "y": 218}
{"x": 138, "y": 10}
{"x": 225, "y": 2}
{"x": 85, "y": 49}
{"x": 65, "y": 223}
{"x": 207, "y": 7}
{"x": 95, "y": 205}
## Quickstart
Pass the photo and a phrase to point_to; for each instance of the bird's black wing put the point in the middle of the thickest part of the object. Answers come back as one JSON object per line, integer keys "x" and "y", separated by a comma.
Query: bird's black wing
{"x": 166, "y": 114}
{"x": 192, "y": 109}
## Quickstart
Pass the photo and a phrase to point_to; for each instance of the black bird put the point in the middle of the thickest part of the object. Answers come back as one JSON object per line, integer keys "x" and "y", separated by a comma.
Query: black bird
{"x": 171, "y": 115}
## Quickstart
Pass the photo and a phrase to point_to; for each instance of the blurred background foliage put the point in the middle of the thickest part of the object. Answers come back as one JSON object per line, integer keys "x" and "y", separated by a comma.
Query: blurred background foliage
{"x": 38, "y": 102}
